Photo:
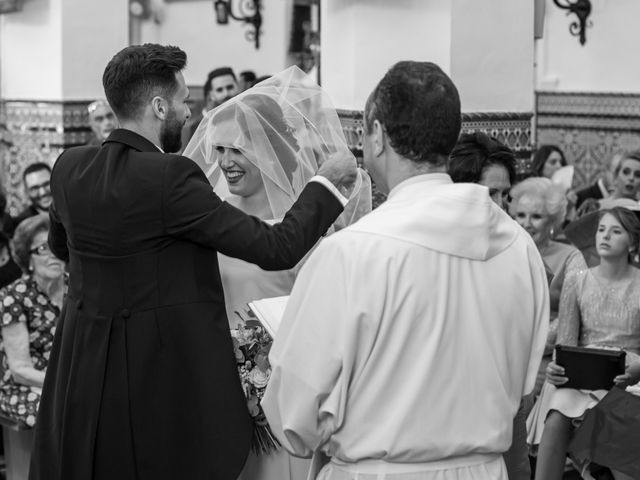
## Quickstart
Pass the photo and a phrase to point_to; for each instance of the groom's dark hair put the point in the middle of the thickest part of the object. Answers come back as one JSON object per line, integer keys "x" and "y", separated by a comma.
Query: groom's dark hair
{"x": 138, "y": 73}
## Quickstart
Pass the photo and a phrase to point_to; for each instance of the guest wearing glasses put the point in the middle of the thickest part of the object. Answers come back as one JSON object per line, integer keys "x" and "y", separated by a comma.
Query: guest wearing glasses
{"x": 29, "y": 309}
{"x": 36, "y": 178}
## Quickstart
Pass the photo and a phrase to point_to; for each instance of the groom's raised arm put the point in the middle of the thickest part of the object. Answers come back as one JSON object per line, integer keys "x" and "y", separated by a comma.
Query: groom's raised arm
{"x": 192, "y": 211}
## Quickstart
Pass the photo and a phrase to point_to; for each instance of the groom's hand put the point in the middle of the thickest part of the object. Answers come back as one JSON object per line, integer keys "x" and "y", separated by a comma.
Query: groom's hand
{"x": 341, "y": 170}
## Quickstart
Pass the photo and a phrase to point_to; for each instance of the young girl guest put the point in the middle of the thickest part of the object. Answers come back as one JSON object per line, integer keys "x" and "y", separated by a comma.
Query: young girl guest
{"x": 599, "y": 307}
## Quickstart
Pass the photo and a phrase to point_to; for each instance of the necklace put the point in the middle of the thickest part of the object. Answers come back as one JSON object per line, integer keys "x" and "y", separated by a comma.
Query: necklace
{"x": 611, "y": 284}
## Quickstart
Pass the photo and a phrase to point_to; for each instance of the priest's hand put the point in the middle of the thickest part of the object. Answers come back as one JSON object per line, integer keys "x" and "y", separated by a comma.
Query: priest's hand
{"x": 340, "y": 170}
{"x": 555, "y": 374}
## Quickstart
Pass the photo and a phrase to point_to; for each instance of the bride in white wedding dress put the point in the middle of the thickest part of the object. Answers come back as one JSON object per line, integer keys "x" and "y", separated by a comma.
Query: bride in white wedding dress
{"x": 259, "y": 150}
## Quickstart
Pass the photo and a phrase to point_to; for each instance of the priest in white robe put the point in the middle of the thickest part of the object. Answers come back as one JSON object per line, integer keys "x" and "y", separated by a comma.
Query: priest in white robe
{"x": 411, "y": 336}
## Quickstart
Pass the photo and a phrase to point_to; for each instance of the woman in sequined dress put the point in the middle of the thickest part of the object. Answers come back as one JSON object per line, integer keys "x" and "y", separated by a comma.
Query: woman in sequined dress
{"x": 599, "y": 307}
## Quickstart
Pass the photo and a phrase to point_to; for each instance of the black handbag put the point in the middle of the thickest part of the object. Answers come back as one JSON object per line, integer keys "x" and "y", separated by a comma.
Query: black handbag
{"x": 590, "y": 368}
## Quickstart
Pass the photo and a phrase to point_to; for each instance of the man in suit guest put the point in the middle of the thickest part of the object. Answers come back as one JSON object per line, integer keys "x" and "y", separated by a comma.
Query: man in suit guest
{"x": 36, "y": 179}
{"x": 102, "y": 121}
{"x": 224, "y": 85}
{"x": 142, "y": 382}
{"x": 220, "y": 86}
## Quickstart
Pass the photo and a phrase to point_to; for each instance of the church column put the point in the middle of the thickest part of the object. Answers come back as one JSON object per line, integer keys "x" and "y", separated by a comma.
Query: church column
{"x": 52, "y": 55}
{"x": 486, "y": 47}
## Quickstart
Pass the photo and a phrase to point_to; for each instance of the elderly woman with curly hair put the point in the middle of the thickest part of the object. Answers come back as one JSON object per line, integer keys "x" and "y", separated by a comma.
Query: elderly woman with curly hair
{"x": 29, "y": 311}
{"x": 539, "y": 207}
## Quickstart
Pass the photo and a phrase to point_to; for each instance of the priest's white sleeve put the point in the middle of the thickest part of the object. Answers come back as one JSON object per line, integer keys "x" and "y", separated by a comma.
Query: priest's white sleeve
{"x": 305, "y": 399}
{"x": 541, "y": 317}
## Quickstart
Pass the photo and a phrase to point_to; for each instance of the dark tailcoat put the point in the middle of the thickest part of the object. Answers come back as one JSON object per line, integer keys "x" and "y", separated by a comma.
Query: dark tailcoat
{"x": 142, "y": 381}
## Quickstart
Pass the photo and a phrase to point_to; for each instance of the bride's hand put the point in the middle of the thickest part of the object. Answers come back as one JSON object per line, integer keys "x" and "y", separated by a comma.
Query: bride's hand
{"x": 341, "y": 170}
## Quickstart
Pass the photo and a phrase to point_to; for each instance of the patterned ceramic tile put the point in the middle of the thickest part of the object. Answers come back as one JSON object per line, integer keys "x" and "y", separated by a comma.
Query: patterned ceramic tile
{"x": 36, "y": 132}
{"x": 511, "y": 128}
{"x": 514, "y": 129}
{"x": 590, "y": 128}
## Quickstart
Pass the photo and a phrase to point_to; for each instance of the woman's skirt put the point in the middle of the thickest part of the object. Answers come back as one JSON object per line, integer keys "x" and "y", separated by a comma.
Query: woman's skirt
{"x": 570, "y": 402}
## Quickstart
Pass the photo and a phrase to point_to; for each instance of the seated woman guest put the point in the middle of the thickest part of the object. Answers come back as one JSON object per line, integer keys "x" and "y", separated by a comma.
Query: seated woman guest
{"x": 479, "y": 158}
{"x": 29, "y": 311}
{"x": 547, "y": 160}
{"x": 539, "y": 207}
{"x": 626, "y": 178}
{"x": 259, "y": 149}
{"x": 599, "y": 307}
{"x": 625, "y": 184}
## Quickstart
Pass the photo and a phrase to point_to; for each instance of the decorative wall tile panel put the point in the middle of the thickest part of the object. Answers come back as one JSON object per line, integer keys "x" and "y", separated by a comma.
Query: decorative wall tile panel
{"x": 34, "y": 131}
{"x": 590, "y": 128}
{"x": 511, "y": 128}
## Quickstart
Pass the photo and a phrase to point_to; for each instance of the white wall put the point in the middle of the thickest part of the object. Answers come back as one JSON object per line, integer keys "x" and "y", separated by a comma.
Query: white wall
{"x": 488, "y": 54}
{"x": 608, "y": 62}
{"x": 361, "y": 39}
{"x": 192, "y": 26}
{"x": 92, "y": 32}
{"x": 30, "y": 52}
{"x": 57, "y": 49}
{"x": 492, "y": 54}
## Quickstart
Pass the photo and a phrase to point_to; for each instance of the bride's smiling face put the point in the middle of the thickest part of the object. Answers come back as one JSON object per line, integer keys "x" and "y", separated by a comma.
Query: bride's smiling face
{"x": 243, "y": 177}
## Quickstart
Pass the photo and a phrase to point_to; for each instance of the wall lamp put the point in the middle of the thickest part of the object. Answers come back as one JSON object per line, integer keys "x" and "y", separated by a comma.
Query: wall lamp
{"x": 582, "y": 10}
{"x": 249, "y": 14}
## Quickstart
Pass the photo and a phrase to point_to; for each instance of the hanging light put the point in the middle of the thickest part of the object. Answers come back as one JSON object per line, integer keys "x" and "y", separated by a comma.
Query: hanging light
{"x": 249, "y": 14}
{"x": 582, "y": 10}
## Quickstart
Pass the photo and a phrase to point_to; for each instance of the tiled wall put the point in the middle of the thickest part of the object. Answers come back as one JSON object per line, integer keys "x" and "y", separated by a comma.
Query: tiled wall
{"x": 513, "y": 129}
{"x": 39, "y": 131}
{"x": 36, "y": 131}
{"x": 590, "y": 128}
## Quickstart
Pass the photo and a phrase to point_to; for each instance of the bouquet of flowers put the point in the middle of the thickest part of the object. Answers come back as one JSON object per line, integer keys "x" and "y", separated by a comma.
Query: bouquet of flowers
{"x": 251, "y": 344}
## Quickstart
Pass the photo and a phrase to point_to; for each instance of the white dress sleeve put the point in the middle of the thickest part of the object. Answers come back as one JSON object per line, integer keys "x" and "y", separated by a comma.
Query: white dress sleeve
{"x": 305, "y": 399}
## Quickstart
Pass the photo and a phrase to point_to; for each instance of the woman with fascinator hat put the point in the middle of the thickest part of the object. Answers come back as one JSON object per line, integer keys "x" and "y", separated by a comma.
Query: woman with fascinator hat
{"x": 259, "y": 150}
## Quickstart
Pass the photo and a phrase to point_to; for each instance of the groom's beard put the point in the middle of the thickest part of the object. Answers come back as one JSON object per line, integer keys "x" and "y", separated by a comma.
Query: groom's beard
{"x": 171, "y": 133}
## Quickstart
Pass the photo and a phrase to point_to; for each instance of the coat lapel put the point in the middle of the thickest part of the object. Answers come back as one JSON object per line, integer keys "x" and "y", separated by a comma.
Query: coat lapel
{"x": 132, "y": 139}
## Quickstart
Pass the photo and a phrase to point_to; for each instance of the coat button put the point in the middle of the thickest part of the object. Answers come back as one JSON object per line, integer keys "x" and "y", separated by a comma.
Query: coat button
{"x": 125, "y": 313}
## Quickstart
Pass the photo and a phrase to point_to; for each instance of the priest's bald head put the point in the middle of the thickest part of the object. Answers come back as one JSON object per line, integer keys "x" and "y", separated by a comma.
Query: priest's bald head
{"x": 412, "y": 121}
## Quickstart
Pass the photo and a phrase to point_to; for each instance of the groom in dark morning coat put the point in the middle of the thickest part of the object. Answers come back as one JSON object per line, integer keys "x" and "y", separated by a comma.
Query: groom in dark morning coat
{"x": 142, "y": 381}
